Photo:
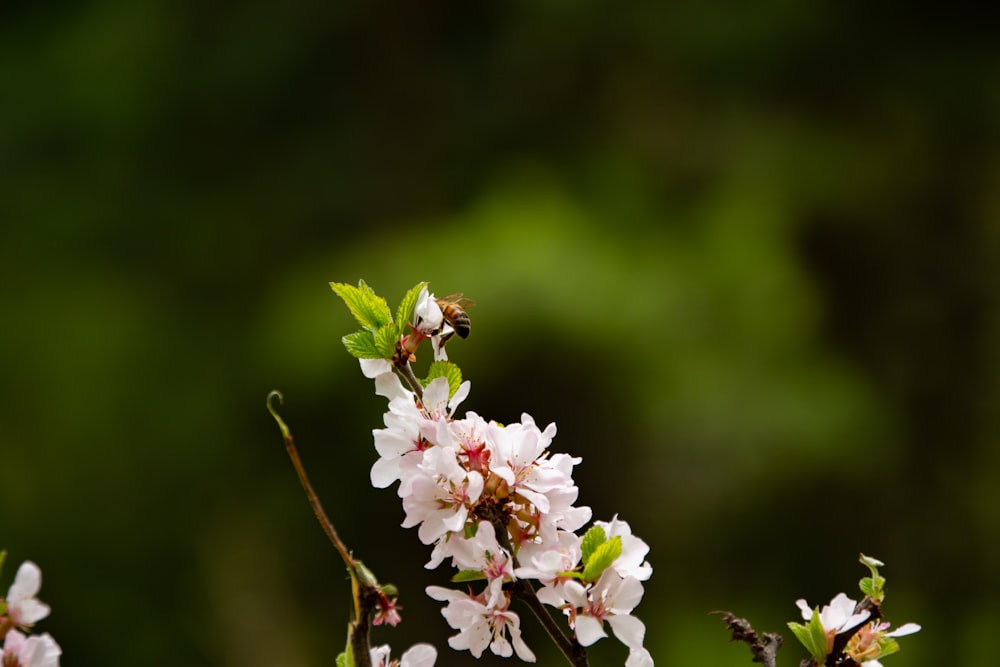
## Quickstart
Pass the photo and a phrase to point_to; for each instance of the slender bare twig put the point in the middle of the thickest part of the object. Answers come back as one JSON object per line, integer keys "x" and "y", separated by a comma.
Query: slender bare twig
{"x": 362, "y": 590}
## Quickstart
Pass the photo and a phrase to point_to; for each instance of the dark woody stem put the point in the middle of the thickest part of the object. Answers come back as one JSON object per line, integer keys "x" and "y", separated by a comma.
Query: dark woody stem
{"x": 525, "y": 592}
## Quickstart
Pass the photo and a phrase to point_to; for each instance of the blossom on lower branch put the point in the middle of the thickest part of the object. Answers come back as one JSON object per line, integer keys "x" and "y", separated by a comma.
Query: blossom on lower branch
{"x": 480, "y": 625}
{"x": 418, "y": 655}
{"x": 34, "y": 651}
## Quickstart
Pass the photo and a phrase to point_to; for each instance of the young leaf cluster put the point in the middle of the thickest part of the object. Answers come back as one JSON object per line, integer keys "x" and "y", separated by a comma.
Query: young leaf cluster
{"x": 598, "y": 554}
{"x": 380, "y": 333}
{"x": 813, "y": 636}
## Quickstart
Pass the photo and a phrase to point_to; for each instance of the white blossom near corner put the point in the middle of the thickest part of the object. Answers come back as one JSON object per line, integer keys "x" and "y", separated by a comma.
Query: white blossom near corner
{"x": 632, "y": 561}
{"x": 418, "y": 655}
{"x": 836, "y": 617}
{"x": 23, "y": 608}
{"x": 480, "y": 626}
{"x": 35, "y": 651}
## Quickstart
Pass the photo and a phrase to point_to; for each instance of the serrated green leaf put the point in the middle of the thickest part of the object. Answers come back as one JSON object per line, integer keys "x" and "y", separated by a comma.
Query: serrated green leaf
{"x": 867, "y": 586}
{"x": 361, "y": 345}
{"x": 448, "y": 370}
{"x": 369, "y": 309}
{"x": 812, "y": 636}
{"x": 342, "y": 660}
{"x": 602, "y": 558}
{"x": 385, "y": 341}
{"x": 407, "y": 304}
{"x": 463, "y": 576}
{"x": 592, "y": 539}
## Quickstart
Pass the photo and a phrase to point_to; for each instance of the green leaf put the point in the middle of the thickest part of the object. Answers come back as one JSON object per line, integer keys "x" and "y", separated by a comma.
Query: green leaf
{"x": 407, "y": 304}
{"x": 385, "y": 341}
{"x": 467, "y": 575}
{"x": 812, "y": 636}
{"x": 571, "y": 574}
{"x": 342, "y": 660}
{"x": 445, "y": 369}
{"x": 887, "y": 646}
{"x": 593, "y": 538}
{"x": 361, "y": 345}
{"x": 369, "y": 309}
{"x": 602, "y": 558}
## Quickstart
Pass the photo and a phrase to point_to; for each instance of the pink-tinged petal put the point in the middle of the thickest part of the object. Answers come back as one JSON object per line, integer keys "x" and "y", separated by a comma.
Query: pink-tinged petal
{"x": 373, "y": 368}
{"x": 522, "y": 650}
{"x": 854, "y": 620}
{"x": 639, "y": 658}
{"x": 419, "y": 655}
{"x": 588, "y": 630}
{"x": 539, "y": 500}
{"x": 27, "y": 582}
{"x": 628, "y": 594}
{"x": 575, "y": 594}
{"x": 903, "y": 630}
{"x": 460, "y": 395}
{"x": 807, "y": 612}
{"x": 629, "y": 629}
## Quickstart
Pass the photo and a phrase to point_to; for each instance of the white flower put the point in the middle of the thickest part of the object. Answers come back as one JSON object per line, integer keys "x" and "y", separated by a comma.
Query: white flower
{"x": 35, "y": 651}
{"x": 872, "y": 640}
{"x": 440, "y": 496}
{"x": 485, "y": 554}
{"x": 632, "y": 561}
{"x": 22, "y": 606}
{"x": 837, "y": 616}
{"x": 427, "y": 316}
{"x": 611, "y": 599}
{"x": 418, "y": 655}
{"x": 480, "y": 626}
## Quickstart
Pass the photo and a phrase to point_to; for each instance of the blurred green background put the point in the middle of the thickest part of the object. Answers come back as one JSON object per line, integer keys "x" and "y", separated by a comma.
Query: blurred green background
{"x": 746, "y": 258}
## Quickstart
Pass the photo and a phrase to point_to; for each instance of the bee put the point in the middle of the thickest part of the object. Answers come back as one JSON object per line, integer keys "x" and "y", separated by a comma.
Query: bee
{"x": 453, "y": 310}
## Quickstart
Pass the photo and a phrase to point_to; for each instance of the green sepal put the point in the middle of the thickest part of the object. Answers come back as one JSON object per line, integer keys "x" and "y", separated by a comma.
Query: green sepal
{"x": 602, "y": 558}
{"x": 368, "y": 308}
{"x": 448, "y": 370}
{"x": 812, "y": 636}
{"x": 593, "y": 538}
{"x": 463, "y": 576}
{"x": 471, "y": 528}
{"x": 385, "y": 341}
{"x": 872, "y": 587}
{"x": 361, "y": 345}
{"x": 887, "y": 646}
{"x": 571, "y": 574}
{"x": 390, "y": 590}
{"x": 407, "y": 304}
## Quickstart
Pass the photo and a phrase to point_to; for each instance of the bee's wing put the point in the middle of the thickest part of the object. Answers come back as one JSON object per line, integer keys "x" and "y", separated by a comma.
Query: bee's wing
{"x": 458, "y": 299}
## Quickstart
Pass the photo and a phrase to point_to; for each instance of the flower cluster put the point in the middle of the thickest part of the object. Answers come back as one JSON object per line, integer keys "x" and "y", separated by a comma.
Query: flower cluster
{"x": 498, "y": 506}
{"x": 865, "y": 637}
{"x": 18, "y": 613}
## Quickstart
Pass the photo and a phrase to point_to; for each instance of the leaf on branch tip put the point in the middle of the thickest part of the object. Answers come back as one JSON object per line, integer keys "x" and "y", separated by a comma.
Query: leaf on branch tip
{"x": 407, "y": 304}
{"x": 368, "y": 308}
{"x": 602, "y": 558}
{"x": 361, "y": 345}
{"x": 812, "y": 636}
{"x": 386, "y": 339}
{"x": 594, "y": 538}
{"x": 448, "y": 370}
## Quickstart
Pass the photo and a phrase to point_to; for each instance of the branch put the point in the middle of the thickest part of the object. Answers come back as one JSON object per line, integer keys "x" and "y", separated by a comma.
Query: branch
{"x": 764, "y": 648}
